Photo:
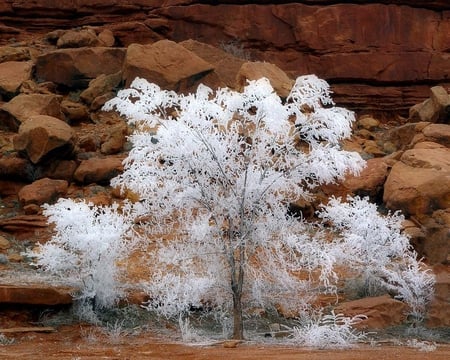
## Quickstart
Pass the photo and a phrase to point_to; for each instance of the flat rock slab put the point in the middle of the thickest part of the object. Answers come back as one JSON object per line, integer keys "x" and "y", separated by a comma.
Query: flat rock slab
{"x": 36, "y": 294}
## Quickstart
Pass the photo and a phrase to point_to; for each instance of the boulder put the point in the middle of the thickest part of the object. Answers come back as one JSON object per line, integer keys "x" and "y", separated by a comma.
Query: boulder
{"x": 371, "y": 179}
{"x": 420, "y": 182}
{"x": 165, "y": 63}
{"x": 98, "y": 170}
{"x": 381, "y": 311}
{"x": 24, "y": 106}
{"x": 436, "y": 109}
{"x": 438, "y": 314}
{"x": 437, "y": 133}
{"x": 279, "y": 80}
{"x": 43, "y": 191}
{"x": 13, "y": 74}
{"x": 42, "y": 136}
{"x": 13, "y": 53}
{"x": 74, "y": 111}
{"x": 76, "y": 67}
{"x": 115, "y": 139}
{"x": 16, "y": 168}
{"x": 226, "y": 65}
{"x": 78, "y": 38}
{"x": 101, "y": 85}
{"x": 134, "y": 32}
{"x": 106, "y": 38}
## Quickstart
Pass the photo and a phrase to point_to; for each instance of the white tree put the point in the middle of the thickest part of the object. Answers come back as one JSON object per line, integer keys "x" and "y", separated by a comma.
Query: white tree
{"x": 215, "y": 173}
{"x": 217, "y": 169}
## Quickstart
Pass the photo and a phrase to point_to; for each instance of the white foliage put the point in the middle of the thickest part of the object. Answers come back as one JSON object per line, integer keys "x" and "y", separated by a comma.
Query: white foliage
{"x": 375, "y": 246}
{"x": 218, "y": 171}
{"x": 328, "y": 331}
{"x": 89, "y": 242}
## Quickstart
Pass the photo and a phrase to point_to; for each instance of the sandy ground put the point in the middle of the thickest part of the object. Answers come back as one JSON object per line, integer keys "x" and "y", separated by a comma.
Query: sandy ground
{"x": 77, "y": 343}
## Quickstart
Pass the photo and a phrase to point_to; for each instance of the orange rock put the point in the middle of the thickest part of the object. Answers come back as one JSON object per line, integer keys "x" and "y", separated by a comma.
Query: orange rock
{"x": 381, "y": 311}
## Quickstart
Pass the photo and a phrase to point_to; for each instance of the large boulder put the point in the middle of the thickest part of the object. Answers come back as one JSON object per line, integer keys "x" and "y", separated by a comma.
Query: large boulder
{"x": 165, "y": 63}
{"x": 13, "y": 74}
{"x": 76, "y": 67}
{"x": 226, "y": 65}
{"x": 24, "y": 106}
{"x": 420, "y": 182}
{"x": 42, "y": 136}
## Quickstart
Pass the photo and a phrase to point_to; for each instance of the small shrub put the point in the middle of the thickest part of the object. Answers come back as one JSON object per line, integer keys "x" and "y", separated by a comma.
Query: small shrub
{"x": 328, "y": 331}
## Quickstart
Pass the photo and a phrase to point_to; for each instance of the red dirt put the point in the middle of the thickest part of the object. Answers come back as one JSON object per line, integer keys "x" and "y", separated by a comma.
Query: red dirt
{"x": 75, "y": 342}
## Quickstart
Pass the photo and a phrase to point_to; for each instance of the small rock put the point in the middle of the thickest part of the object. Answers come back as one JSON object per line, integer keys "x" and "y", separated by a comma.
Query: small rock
{"x": 101, "y": 85}
{"x": 78, "y": 38}
{"x": 4, "y": 243}
{"x": 368, "y": 122}
{"x": 74, "y": 111}
{"x": 43, "y": 191}
{"x": 106, "y": 38}
{"x": 98, "y": 170}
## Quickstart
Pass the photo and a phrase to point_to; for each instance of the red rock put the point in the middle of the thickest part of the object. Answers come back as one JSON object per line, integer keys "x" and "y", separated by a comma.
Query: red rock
{"x": 24, "y": 106}
{"x": 226, "y": 65}
{"x": 381, "y": 311}
{"x": 100, "y": 86}
{"x": 437, "y": 133}
{"x": 98, "y": 170}
{"x": 36, "y": 294}
{"x": 419, "y": 182}
{"x": 74, "y": 111}
{"x": 13, "y": 53}
{"x": 165, "y": 63}
{"x": 16, "y": 168}
{"x": 43, "y": 191}
{"x": 279, "y": 80}
{"x": 133, "y": 32}
{"x": 371, "y": 179}
{"x": 13, "y": 74}
{"x": 41, "y": 135}
{"x": 76, "y": 67}
{"x": 106, "y": 38}
{"x": 78, "y": 38}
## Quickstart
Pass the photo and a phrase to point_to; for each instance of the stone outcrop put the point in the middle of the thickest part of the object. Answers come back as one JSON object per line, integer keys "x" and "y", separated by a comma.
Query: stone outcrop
{"x": 371, "y": 51}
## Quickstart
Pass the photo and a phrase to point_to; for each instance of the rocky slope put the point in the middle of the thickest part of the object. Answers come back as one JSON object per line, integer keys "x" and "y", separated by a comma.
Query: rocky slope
{"x": 55, "y": 141}
{"x": 372, "y": 51}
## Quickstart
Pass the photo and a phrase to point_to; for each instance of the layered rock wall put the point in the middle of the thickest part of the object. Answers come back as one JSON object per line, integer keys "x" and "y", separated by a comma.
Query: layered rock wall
{"x": 380, "y": 55}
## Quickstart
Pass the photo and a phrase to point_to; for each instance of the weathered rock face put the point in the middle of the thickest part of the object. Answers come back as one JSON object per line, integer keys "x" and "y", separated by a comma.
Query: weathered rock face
{"x": 371, "y": 51}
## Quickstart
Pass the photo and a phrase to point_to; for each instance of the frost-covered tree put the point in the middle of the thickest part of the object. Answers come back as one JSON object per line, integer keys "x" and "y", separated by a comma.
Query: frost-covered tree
{"x": 88, "y": 243}
{"x": 216, "y": 171}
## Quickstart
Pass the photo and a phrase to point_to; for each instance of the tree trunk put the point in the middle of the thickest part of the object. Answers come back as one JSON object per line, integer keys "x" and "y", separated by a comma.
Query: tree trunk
{"x": 238, "y": 324}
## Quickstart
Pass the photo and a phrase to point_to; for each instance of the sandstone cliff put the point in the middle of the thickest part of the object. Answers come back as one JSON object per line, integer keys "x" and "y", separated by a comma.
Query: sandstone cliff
{"x": 381, "y": 55}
